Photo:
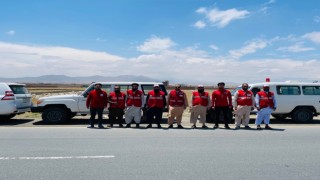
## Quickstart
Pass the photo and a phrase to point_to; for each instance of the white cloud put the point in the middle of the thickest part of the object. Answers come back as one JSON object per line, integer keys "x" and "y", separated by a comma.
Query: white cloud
{"x": 270, "y": 2}
{"x": 156, "y": 44}
{"x": 187, "y": 65}
{"x": 249, "y": 48}
{"x": 100, "y": 39}
{"x": 11, "y": 33}
{"x": 200, "y": 24}
{"x": 214, "y": 47}
{"x": 222, "y": 18}
{"x": 297, "y": 47}
{"x": 313, "y": 36}
{"x": 316, "y": 19}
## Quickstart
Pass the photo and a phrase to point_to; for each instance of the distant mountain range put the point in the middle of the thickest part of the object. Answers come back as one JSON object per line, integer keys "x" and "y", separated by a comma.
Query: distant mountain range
{"x": 62, "y": 79}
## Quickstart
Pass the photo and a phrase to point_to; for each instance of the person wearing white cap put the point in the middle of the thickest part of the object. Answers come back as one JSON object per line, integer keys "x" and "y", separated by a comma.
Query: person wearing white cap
{"x": 135, "y": 100}
{"x": 265, "y": 104}
{"x": 156, "y": 102}
{"x": 243, "y": 103}
{"x": 200, "y": 103}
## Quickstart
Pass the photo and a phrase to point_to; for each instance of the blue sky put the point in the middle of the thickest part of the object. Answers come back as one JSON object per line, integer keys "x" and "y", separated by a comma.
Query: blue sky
{"x": 187, "y": 41}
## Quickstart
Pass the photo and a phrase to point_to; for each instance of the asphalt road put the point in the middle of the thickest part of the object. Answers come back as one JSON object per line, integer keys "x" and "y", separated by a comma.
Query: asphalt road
{"x": 288, "y": 152}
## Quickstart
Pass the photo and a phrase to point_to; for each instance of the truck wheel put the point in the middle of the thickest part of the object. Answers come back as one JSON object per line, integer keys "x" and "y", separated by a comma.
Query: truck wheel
{"x": 302, "y": 115}
{"x": 7, "y": 116}
{"x": 54, "y": 115}
{"x": 279, "y": 116}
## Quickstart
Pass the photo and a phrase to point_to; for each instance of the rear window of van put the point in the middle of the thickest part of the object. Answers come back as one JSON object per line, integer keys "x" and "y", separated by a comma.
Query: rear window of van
{"x": 311, "y": 90}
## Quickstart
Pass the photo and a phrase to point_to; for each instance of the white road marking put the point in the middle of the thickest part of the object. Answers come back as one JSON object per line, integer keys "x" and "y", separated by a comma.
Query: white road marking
{"x": 57, "y": 157}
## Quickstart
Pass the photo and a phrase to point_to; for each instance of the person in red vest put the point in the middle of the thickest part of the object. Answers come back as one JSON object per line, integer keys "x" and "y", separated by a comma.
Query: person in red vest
{"x": 221, "y": 102}
{"x": 265, "y": 104}
{"x": 243, "y": 103}
{"x": 135, "y": 100}
{"x": 117, "y": 101}
{"x": 200, "y": 103}
{"x": 97, "y": 100}
{"x": 178, "y": 102}
{"x": 156, "y": 102}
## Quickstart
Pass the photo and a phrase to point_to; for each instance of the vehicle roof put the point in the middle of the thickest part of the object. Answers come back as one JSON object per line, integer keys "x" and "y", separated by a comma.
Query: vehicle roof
{"x": 284, "y": 83}
{"x": 11, "y": 83}
{"x": 126, "y": 83}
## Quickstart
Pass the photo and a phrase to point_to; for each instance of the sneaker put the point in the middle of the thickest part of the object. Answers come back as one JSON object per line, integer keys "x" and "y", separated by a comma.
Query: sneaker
{"x": 204, "y": 127}
{"x": 247, "y": 127}
{"x": 194, "y": 127}
{"x": 137, "y": 125}
{"x": 120, "y": 126}
{"x": 216, "y": 126}
{"x": 159, "y": 126}
{"x": 237, "y": 127}
{"x": 149, "y": 126}
{"x": 259, "y": 127}
{"x": 170, "y": 126}
{"x": 128, "y": 125}
{"x": 179, "y": 126}
{"x": 268, "y": 127}
{"x": 227, "y": 127}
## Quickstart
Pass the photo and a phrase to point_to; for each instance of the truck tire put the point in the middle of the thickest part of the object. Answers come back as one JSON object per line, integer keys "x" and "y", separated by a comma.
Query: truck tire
{"x": 53, "y": 115}
{"x": 302, "y": 115}
{"x": 7, "y": 116}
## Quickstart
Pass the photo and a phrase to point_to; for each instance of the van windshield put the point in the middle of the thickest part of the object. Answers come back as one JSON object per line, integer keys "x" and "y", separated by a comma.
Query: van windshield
{"x": 18, "y": 89}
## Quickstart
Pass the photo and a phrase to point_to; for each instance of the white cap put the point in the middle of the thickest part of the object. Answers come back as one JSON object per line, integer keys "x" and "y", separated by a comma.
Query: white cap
{"x": 266, "y": 85}
{"x": 156, "y": 85}
{"x": 200, "y": 86}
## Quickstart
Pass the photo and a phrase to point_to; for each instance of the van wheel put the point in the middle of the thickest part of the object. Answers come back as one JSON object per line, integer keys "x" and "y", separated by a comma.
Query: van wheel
{"x": 53, "y": 115}
{"x": 302, "y": 115}
{"x": 279, "y": 116}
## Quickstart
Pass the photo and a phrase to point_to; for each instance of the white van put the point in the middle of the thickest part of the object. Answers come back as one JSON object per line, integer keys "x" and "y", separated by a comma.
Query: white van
{"x": 14, "y": 99}
{"x": 300, "y": 101}
{"x": 58, "y": 109}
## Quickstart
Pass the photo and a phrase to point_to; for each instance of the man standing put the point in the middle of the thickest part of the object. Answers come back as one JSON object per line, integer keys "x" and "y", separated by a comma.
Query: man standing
{"x": 243, "y": 103}
{"x": 200, "y": 103}
{"x": 156, "y": 101}
{"x": 117, "y": 105}
{"x": 221, "y": 101}
{"x": 135, "y": 100}
{"x": 265, "y": 104}
{"x": 178, "y": 102}
{"x": 97, "y": 100}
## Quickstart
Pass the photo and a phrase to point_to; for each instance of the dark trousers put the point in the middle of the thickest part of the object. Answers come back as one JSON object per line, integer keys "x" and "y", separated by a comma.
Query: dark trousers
{"x": 116, "y": 115}
{"x": 225, "y": 110}
{"x": 154, "y": 114}
{"x": 93, "y": 112}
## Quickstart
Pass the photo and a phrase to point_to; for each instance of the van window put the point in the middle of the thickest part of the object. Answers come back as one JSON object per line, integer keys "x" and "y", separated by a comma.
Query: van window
{"x": 146, "y": 88}
{"x": 124, "y": 88}
{"x": 311, "y": 90}
{"x": 288, "y": 90}
{"x": 104, "y": 87}
{"x": 255, "y": 90}
{"x": 16, "y": 89}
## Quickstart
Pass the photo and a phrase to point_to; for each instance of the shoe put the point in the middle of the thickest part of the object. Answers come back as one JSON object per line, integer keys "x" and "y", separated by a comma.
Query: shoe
{"x": 247, "y": 127}
{"x": 91, "y": 126}
{"x": 170, "y": 126}
{"x": 194, "y": 127}
{"x": 216, "y": 126}
{"x": 149, "y": 126}
{"x": 268, "y": 127}
{"x": 204, "y": 127}
{"x": 120, "y": 126}
{"x": 237, "y": 127}
{"x": 227, "y": 127}
{"x": 111, "y": 125}
{"x": 128, "y": 125}
{"x": 259, "y": 127}
{"x": 137, "y": 125}
{"x": 179, "y": 126}
{"x": 101, "y": 127}
{"x": 159, "y": 126}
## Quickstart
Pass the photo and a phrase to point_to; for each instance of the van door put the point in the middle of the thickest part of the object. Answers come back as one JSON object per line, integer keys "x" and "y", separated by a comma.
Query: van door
{"x": 22, "y": 97}
{"x": 287, "y": 97}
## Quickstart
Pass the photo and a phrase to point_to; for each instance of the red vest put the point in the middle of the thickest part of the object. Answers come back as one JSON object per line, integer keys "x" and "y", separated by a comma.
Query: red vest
{"x": 134, "y": 98}
{"x": 244, "y": 98}
{"x": 265, "y": 99}
{"x": 200, "y": 99}
{"x": 176, "y": 98}
{"x": 156, "y": 99}
{"x": 97, "y": 99}
{"x": 118, "y": 98}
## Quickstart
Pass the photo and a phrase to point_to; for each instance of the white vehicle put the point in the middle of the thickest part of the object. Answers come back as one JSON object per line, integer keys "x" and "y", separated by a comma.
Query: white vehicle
{"x": 58, "y": 109}
{"x": 300, "y": 101}
{"x": 14, "y": 99}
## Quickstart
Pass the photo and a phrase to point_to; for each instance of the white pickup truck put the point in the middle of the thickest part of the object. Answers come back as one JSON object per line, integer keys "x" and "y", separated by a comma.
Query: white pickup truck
{"x": 300, "y": 101}
{"x": 58, "y": 109}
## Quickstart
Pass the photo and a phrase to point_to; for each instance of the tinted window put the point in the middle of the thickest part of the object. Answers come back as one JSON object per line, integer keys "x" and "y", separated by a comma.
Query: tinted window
{"x": 104, "y": 87}
{"x": 19, "y": 89}
{"x": 255, "y": 90}
{"x": 311, "y": 90}
{"x": 288, "y": 90}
